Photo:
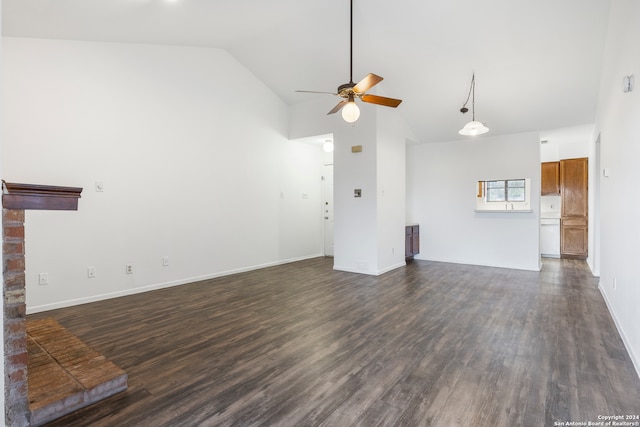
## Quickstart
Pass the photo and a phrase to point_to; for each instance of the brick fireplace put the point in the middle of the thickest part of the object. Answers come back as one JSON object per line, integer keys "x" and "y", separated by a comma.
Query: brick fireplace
{"x": 49, "y": 372}
{"x": 16, "y": 198}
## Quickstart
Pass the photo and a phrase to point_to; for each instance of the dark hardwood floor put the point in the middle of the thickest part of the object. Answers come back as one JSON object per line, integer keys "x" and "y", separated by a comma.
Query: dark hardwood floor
{"x": 431, "y": 344}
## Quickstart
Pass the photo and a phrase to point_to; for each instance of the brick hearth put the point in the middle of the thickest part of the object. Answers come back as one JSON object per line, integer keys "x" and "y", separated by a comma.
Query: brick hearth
{"x": 64, "y": 373}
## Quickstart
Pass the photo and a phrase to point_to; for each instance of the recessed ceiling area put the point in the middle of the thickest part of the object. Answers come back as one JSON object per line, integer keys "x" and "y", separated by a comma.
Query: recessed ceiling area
{"x": 537, "y": 64}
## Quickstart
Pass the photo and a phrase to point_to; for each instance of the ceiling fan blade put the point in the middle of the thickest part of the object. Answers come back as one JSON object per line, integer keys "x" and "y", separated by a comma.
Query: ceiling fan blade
{"x": 313, "y": 91}
{"x": 337, "y": 107}
{"x": 381, "y": 100}
{"x": 367, "y": 83}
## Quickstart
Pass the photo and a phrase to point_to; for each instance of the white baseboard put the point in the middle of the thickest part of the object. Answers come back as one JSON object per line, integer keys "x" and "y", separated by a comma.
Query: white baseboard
{"x": 156, "y": 286}
{"x": 634, "y": 357}
{"x": 370, "y": 273}
{"x": 392, "y": 267}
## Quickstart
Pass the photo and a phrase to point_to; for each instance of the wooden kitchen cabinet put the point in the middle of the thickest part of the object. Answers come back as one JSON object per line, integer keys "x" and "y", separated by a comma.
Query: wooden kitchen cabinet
{"x": 411, "y": 240}
{"x": 574, "y": 189}
{"x": 574, "y": 241}
{"x": 574, "y": 196}
{"x": 550, "y": 178}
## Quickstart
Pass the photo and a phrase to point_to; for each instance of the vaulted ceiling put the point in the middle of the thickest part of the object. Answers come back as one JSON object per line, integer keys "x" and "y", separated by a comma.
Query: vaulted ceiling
{"x": 537, "y": 63}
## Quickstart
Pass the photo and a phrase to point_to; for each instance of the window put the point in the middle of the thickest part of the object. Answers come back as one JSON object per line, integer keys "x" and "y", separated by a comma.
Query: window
{"x": 510, "y": 190}
{"x": 504, "y": 195}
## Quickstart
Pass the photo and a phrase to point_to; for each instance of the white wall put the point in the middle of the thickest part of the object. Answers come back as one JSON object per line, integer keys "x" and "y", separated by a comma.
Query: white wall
{"x": 619, "y": 130}
{"x": 566, "y": 143}
{"x": 355, "y": 227}
{"x": 192, "y": 150}
{"x": 441, "y": 189}
{"x": 391, "y": 191}
{"x": 368, "y": 231}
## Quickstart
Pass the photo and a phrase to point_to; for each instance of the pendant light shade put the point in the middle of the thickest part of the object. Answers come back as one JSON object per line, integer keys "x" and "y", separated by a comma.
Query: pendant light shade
{"x": 474, "y": 127}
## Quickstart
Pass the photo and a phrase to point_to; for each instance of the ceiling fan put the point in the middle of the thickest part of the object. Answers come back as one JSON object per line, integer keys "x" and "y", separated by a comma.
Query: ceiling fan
{"x": 350, "y": 91}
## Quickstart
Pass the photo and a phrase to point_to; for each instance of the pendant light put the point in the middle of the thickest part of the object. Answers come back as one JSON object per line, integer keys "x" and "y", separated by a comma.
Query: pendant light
{"x": 473, "y": 127}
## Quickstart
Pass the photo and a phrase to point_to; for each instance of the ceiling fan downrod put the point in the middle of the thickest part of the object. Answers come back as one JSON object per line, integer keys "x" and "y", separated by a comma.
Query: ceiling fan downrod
{"x": 351, "y": 44}
{"x": 352, "y": 91}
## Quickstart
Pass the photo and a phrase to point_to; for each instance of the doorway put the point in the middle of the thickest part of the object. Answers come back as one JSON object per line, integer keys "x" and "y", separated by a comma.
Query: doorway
{"x": 327, "y": 208}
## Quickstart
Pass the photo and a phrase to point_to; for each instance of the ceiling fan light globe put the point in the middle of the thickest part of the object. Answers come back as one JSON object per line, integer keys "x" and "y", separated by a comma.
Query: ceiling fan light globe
{"x": 350, "y": 112}
{"x": 473, "y": 128}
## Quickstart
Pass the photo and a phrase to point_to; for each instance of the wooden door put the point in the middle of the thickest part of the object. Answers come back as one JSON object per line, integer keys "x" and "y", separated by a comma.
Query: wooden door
{"x": 574, "y": 176}
{"x": 327, "y": 208}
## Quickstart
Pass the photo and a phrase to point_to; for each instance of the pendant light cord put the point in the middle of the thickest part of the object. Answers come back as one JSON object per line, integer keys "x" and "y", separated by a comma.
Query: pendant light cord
{"x": 472, "y": 128}
{"x": 472, "y": 91}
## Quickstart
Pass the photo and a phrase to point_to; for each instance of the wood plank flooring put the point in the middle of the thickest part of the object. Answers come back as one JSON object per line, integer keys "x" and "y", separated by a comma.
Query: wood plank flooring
{"x": 431, "y": 344}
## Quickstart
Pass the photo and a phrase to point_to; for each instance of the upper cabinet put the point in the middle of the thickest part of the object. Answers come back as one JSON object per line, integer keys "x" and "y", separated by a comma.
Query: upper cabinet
{"x": 574, "y": 178}
{"x": 550, "y": 178}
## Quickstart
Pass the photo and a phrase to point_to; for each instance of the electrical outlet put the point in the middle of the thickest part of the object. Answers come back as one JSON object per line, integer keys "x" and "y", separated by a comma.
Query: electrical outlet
{"x": 43, "y": 278}
{"x": 165, "y": 261}
{"x": 129, "y": 269}
{"x": 91, "y": 272}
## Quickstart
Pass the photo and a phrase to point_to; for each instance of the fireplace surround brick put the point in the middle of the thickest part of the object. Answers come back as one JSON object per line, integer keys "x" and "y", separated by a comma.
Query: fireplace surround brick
{"x": 15, "y": 331}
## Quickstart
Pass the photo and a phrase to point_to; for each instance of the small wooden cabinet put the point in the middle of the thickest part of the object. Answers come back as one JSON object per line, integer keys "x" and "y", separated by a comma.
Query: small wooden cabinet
{"x": 550, "y": 178}
{"x": 574, "y": 197}
{"x": 411, "y": 240}
{"x": 573, "y": 237}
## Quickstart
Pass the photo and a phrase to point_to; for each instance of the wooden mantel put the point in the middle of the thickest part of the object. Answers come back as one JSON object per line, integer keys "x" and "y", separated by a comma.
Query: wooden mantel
{"x": 34, "y": 196}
